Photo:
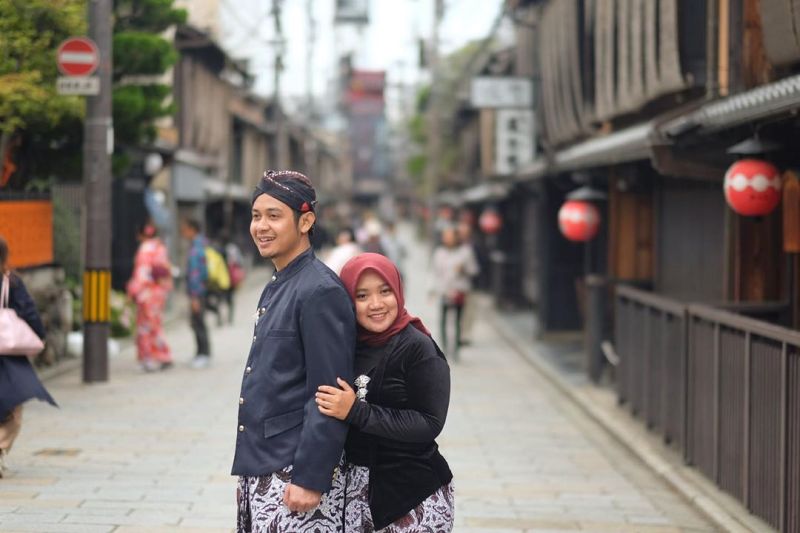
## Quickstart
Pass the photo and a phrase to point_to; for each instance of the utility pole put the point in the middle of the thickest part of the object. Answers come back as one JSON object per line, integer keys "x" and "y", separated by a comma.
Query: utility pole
{"x": 281, "y": 143}
{"x": 311, "y": 41}
{"x": 97, "y": 148}
{"x": 434, "y": 119}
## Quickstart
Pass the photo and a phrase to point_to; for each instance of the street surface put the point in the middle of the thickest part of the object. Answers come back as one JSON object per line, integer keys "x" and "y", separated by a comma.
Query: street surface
{"x": 152, "y": 452}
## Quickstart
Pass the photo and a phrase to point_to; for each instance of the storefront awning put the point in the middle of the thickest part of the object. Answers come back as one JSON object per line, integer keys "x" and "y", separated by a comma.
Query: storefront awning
{"x": 485, "y": 192}
{"x": 762, "y": 102}
{"x": 630, "y": 144}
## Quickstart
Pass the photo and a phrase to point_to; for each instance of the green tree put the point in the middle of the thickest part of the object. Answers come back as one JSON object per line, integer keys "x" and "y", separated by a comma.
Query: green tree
{"x": 38, "y": 128}
{"x": 454, "y": 70}
{"x": 141, "y": 57}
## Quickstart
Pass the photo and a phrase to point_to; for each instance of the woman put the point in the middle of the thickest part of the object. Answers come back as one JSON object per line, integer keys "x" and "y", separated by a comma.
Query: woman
{"x": 397, "y": 479}
{"x": 148, "y": 288}
{"x": 453, "y": 267}
{"x": 18, "y": 380}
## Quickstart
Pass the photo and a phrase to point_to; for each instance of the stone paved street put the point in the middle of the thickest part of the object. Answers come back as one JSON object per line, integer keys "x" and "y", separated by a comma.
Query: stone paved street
{"x": 151, "y": 453}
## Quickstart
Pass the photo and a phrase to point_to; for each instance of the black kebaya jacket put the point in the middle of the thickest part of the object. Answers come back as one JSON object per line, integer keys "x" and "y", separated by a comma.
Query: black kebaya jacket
{"x": 304, "y": 337}
{"x": 393, "y": 431}
{"x": 18, "y": 380}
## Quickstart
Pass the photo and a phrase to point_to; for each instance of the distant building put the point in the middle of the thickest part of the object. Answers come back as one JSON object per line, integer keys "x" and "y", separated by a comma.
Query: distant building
{"x": 365, "y": 108}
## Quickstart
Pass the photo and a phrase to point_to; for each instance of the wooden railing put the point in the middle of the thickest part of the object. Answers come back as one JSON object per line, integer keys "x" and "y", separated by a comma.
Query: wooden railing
{"x": 723, "y": 388}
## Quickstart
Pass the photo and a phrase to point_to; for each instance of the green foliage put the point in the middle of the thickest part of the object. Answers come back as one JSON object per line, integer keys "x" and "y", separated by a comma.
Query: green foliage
{"x": 123, "y": 315}
{"x": 139, "y": 50}
{"x": 453, "y": 69}
{"x": 152, "y": 16}
{"x": 30, "y": 32}
{"x": 67, "y": 245}
{"x": 135, "y": 108}
{"x": 137, "y": 53}
{"x": 418, "y": 129}
{"x": 416, "y": 167}
{"x": 423, "y": 97}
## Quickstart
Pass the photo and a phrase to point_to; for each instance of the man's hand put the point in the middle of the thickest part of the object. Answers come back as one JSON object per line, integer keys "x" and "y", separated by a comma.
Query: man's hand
{"x": 195, "y": 305}
{"x": 300, "y": 500}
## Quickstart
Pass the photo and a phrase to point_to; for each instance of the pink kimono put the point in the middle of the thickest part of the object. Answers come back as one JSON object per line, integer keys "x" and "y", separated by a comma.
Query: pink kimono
{"x": 148, "y": 287}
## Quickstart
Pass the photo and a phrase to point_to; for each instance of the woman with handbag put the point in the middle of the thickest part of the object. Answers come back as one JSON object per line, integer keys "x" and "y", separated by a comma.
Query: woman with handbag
{"x": 397, "y": 481}
{"x": 18, "y": 380}
{"x": 453, "y": 268}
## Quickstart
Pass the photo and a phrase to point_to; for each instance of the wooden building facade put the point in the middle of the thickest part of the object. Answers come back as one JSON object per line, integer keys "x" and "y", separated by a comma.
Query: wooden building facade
{"x": 640, "y": 101}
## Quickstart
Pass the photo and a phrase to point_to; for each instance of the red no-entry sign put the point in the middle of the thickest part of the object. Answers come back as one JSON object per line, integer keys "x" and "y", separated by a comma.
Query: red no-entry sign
{"x": 78, "y": 56}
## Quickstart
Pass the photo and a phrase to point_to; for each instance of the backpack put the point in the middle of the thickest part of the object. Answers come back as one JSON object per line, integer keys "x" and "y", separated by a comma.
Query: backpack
{"x": 218, "y": 277}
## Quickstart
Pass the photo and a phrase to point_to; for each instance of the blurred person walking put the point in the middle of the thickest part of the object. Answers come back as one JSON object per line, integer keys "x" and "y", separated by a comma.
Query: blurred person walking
{"x": 398, "y": 480}
{"x": 289, "y": 455}
{"x": 218, "y": 283}
{"x": 394, "y": 247}
{"x": 346, "y": 248}
{"x": 373, "y": 231}
{"x": 149, "y": 287}
{"x": 469, "y": 247}
{"x": 453, "y": 269}
{"x": 235, "y": 261}
{"x": 18, "y": 380}
{"x": 196, "y": 280}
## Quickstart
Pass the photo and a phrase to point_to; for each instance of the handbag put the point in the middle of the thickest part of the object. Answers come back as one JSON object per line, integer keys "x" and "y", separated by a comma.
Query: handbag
{"x": 16, "y": 336}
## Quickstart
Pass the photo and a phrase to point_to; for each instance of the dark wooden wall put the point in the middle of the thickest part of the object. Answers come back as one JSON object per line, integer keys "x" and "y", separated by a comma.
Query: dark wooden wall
{"x": 690, "y": 240}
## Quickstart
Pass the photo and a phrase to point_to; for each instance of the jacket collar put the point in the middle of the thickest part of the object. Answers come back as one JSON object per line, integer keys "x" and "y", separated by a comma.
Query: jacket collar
{"x": 295, "y": 266}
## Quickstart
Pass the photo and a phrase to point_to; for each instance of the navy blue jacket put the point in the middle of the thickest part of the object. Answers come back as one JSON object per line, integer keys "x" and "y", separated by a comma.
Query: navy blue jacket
{"x": 304, "y": 337}
{"x": 18, "y": 380}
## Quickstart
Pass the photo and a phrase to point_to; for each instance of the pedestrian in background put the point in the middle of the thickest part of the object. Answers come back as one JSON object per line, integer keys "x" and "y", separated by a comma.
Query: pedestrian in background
{"x": 196, "y": 279}
{"x": 149, "y": 287}
{"x": 453, "y": 269}
{"x": 287, "y": 452}
{"x": 393, "y": 246}
{"x": 18, "y": 380}
{"x": 373, "y": 230}
{"x": 398, "y": 480}
{"x": 346, "y": 248}
{"x": 469, "y": 249}
{"x": 235, "y": 261}
{"x": 218, "y": 282}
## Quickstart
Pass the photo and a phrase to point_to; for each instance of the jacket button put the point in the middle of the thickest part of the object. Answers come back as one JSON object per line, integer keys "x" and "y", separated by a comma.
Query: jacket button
{"x": 241, "y": 428}
{"x": 254, "y": 338}
{"x": 241, "y": 401}
{"x": 247, "y": 370}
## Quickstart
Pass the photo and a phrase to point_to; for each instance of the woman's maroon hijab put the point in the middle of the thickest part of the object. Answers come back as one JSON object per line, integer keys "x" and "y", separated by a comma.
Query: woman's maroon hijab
{"x": 351, "y": 273}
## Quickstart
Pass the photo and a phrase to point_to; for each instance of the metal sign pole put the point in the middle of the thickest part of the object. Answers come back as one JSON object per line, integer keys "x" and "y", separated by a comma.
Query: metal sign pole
{"x": 97, "y": 149}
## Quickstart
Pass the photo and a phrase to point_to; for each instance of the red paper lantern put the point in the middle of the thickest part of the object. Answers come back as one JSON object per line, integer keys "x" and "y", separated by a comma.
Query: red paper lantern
{"x": 490, "y": 222}
{"x": 753, "y": 187}
{"x": 578, "y": 221}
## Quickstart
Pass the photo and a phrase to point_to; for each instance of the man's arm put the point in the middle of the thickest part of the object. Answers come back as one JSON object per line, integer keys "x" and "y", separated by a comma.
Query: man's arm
{"x": 328, "y": 332}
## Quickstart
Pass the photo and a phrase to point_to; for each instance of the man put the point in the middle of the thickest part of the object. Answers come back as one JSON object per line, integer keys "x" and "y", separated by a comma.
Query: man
{"x": 196, "y": 279}
{"x": 287, "y": 452}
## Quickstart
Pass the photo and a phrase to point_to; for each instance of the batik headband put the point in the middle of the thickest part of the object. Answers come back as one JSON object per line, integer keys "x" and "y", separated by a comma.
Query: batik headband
{"x": 290, "y": 187}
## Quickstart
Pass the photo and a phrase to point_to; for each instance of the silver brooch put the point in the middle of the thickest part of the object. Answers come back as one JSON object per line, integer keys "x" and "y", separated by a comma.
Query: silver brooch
{"x": 361, "y": 382}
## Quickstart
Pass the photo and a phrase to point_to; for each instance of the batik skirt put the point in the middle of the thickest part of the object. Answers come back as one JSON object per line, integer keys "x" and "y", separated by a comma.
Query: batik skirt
{"x": 261, "y": 508}
{"x": 434, "y": 515}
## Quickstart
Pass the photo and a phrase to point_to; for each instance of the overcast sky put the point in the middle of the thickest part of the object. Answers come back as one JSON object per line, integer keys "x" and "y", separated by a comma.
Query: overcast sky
{"x": 389, "y": 42}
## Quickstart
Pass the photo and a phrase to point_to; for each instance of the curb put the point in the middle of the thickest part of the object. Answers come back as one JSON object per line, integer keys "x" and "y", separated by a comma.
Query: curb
{"x": 734, "y": 521}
